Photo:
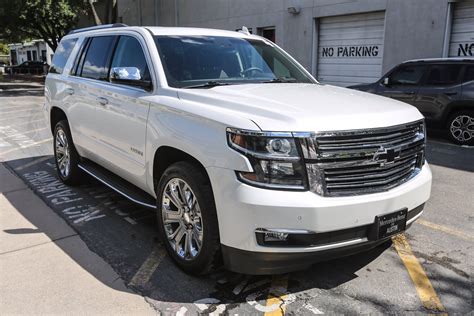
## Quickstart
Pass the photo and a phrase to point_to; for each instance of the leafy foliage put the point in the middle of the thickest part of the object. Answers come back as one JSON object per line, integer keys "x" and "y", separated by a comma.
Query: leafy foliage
{"x": 49, "y": 20}
{"x": 4, "y": 50}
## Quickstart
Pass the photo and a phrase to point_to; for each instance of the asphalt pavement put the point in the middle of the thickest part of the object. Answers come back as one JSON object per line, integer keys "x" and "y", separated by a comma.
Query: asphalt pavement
{"x": 428, "y": 269}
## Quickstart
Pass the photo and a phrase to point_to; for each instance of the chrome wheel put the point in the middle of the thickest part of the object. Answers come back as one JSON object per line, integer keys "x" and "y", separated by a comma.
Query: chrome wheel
{"x": 182, "y": 219}
{"x": 462, "y": 128}
{"x": 63, "y": 155}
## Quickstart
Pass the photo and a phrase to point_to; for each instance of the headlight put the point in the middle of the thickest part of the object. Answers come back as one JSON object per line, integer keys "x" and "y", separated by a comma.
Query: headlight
{"x": 275, "y": 158}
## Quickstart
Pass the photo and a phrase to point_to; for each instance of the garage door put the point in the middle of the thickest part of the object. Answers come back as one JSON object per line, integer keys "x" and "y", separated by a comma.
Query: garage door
{"x": 462, "y": 30}
{"x": 350, "y": 48}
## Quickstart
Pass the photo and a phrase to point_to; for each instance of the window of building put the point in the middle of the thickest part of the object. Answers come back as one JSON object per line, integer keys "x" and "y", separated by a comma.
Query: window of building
{"x": 35, "y": 55}
{"x": 407, "y": 75}
{"x": 129, "y": 53}
{"x": 443, "y": 75}
{"x": 28, "y": 55}
{"x": 268, "y": 33}
{"x": 43, "y": 55}
{"x": 61, "y": 55}
{"x": 97, "y": 58}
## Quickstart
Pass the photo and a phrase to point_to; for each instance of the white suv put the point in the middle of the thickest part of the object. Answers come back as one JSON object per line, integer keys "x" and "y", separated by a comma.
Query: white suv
{"x": 244, "y": 156}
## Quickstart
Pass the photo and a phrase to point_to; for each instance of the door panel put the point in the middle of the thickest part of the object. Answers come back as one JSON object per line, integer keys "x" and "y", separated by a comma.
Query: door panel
{"x": 123, "y": 113}
{"x": 123, "y": 119}
{"x": 401, "y": 93}
{"x": 403, "y": 83}
{"x": 85, "y": 88}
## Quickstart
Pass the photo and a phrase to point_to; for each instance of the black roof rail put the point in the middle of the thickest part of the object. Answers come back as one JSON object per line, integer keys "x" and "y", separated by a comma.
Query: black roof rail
{"x": 98, "y": 27}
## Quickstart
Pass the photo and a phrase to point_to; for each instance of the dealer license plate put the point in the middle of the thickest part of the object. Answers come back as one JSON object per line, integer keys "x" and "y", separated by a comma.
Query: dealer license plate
{"x": 391, "y": 224}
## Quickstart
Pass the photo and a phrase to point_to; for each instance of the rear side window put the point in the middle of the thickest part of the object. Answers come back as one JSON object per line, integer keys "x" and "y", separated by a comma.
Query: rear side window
{"x": 129, "y": 53}
{"x": 441, "y": 75}
{"x": 61, "y": 55}
{"x": 469, "y": 76}
{"x": 97, "y": 58}
{"x": 407, "y": 75}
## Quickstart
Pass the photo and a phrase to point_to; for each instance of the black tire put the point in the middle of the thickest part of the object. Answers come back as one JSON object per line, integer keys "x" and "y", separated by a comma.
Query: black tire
{"x": 208, "y": 257}
{"x": 74, "y": 175}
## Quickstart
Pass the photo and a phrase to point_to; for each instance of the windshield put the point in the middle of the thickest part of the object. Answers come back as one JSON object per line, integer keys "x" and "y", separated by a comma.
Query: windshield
{"x": 195, "y": 61}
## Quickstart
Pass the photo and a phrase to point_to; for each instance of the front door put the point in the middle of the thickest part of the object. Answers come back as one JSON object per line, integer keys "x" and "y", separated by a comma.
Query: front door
{"x": 85, "y": 89}
{"x": 123, "y": 115}
{"x": 403, "y": 83}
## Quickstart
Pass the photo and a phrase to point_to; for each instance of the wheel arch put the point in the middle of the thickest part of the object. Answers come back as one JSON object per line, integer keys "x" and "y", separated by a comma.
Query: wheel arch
{"x": 165, "y": 156}
{"x": 56, "y": 114}
{"x": 456, "y": 107}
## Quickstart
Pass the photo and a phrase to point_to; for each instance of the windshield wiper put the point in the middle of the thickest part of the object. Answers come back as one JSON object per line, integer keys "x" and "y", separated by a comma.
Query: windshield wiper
{"x": 209, "y": 84}
{"x": 280, "y": 80}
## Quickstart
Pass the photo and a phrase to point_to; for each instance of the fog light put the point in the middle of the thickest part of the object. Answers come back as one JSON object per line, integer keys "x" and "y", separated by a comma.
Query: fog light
{"x": 275, "y": 236}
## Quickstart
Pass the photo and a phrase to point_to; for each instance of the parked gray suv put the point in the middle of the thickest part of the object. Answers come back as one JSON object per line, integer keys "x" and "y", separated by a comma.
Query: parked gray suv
{"x": 442, "y": 89}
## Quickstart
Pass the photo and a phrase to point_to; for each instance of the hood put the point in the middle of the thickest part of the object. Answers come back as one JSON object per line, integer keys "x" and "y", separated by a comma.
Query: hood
{"x": 303, "y": 107}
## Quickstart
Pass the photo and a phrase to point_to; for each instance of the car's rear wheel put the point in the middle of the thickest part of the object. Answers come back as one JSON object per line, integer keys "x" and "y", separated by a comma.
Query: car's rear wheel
{"x": 461, "y": 127}
{"x": 187, "y": 218}
{"x": 65, "y": 154}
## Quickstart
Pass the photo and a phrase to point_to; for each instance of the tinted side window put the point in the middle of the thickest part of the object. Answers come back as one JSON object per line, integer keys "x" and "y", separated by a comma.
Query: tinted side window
{"x": 61, "y": 55}
{"x": 407, "y": 75}
{"x": 443, "y": 75}
{"x": 129, "y": 53}
{"x": 469, "y": 74}
{"x": 96, "y": 62}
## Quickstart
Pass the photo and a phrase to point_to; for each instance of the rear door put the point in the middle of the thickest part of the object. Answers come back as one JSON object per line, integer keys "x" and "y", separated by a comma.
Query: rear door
{"x": 89, "y": 76}
{"x": 441, "y": 87}
{"x": 403, "y": 83}
{"x": 123, "y": 117}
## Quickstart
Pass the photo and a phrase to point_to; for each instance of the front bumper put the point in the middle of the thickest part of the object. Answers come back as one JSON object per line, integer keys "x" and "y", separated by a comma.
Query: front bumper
{"x": 242, "y": 209}
{"x": 261, "y": 263}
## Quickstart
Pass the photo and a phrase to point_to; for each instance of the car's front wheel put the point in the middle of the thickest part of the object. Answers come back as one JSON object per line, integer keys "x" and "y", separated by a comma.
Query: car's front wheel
{"x": 65, "y": 154}
{"x": 461, "y": 127}
{"x": 187, "y": 218}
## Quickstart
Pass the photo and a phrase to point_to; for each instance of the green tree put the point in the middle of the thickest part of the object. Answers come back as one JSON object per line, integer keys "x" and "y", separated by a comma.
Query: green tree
{"x": 49, "y": 20}
{"x": 4, "y": 50}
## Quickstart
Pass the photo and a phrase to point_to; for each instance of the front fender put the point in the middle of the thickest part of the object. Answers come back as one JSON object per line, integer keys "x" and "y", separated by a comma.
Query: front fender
{"x": 199, "y": 135}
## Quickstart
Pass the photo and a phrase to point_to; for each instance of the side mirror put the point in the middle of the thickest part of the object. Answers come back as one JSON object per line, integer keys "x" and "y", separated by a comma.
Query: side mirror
{"x": 129, "y": 76}
{"x": 386, "y": 81}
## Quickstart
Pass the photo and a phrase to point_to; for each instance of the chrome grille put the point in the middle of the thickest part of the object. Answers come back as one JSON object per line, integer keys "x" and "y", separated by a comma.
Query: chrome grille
{"x": 363, "y": 161}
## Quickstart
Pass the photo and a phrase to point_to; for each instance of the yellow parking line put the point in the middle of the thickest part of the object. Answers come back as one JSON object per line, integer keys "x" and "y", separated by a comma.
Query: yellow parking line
{"x": 143, "y": 275}
{"x": 277, "y": 295}
{"x": 445, "y": 229}
{"x": 425, "y": 290}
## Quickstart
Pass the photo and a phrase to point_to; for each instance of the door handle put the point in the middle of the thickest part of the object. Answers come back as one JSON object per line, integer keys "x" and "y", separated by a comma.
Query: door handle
{"x": 450, "y": 93}
{"x": 70, "y": 91}
{"x": 102, "y": 101}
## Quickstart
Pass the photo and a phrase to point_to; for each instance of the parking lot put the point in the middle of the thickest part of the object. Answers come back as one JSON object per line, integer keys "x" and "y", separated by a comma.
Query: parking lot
{"x": 428, "y": 269}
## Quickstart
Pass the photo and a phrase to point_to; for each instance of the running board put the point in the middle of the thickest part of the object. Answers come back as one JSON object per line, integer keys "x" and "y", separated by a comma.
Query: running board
{"x": 118, "y": 184}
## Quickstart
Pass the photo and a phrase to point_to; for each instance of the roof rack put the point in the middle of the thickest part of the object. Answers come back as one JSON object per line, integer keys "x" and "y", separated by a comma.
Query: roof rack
{"x": 98, "y": 27}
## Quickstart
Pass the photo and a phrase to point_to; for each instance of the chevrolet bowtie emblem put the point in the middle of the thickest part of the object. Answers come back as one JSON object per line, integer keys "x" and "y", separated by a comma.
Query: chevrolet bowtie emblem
{"x": 386, "y": 155}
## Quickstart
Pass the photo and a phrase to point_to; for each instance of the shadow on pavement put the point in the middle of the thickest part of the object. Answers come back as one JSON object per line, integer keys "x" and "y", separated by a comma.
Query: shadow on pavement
{"x": 124, "y": 235}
